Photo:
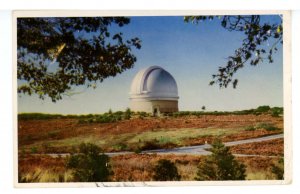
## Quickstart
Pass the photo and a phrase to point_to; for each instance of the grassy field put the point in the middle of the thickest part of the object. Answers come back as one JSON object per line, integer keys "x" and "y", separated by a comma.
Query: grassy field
{"x": 39, "y": 134}
{"x": 61, "y": 135}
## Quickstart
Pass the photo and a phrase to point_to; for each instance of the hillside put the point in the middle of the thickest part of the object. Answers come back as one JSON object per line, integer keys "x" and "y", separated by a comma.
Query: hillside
{"x": 63, "y": 135}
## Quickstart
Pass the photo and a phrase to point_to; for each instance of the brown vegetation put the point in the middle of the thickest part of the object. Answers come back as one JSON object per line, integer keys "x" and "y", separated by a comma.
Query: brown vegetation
{"x": 42, "y": 169}
{"x": 139, "y": 167}
{"x": 43, "y": 133}
{"x": 62, "y": 136}
{"x": 133, "y": 167}
{"x": 268, "y": 148}
{"x": 231, "y": 137}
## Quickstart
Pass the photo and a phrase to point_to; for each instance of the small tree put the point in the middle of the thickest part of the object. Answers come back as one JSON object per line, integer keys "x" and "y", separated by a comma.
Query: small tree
{"x": 89, "y": 165}
{"x": 127, "y": 114}
{"x": 165, "y": 170}
{"x": 203, "y": 108}
{"x": 220, "y": 165}
{"x": 263, "y": 108}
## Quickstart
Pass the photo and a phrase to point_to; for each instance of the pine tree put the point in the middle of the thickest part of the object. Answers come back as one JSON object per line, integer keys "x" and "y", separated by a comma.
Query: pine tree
{"x": 220, "y": 165}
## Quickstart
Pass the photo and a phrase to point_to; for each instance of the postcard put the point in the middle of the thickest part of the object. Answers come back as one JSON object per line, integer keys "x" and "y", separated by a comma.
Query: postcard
{"x": 152, "y": 98}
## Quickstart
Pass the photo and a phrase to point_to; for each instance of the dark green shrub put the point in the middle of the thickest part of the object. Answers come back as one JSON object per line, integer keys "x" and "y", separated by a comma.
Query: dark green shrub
{"x": 127, "y": 114}
{"x": 165, "y": 170}
{"x": 91, "y": 120}
{"x": 263, "y": 108}
{"x": 175, "y": 114}
{"x": 267, "y": 126}
{"x": 274, "y": 114}
{"x": 142, "y": 115}
{"x": 38, "y": 116}
{"x": 276, "y": 111}
{"x": 89, "y": 165}
{"x": 119, "y": 113}
{"x": 278, "y": 169}
{"x": 118, "y": 117}
{"x": 272, "y": 128}
{"x": 151, "y": 145}
{"x": 105, "y": 118}
{"x": 220, "y": 165}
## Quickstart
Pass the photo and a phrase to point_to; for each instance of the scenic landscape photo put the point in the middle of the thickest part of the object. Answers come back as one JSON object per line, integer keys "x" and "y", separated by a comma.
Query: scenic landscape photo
{"x": 150, "y": 98}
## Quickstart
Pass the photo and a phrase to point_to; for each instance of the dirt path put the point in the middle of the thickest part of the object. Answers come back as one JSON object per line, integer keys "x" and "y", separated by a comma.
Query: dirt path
{"x": 195, "y": 150}
{"x": 201, "y": 149}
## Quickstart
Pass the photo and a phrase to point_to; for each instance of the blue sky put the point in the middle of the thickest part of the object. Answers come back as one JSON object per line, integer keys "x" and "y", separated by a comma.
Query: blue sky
{"x": 191, "y": 53}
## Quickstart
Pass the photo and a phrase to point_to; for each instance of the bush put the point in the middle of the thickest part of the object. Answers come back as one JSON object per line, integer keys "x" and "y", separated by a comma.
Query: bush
{"x": 263, "y": 108}
{"x": 82, "y": 121}
{"x": 278, "y": 169}
{"x": 165, "y": 170}
{"x": 38, "y": 116}
{"x": 274, "y": 114}
{"x": 220, "y": 165}
{"x": 142, "y": 115}
{"x": 267, "y": 126}
{"x": 109, "y": 117}
{"x": 272, "y": 128}
{"x": 276, "y": 111}
{"x": 89, "y": 165}
{"x": 151, "y": 145}
{"x": 127, "y": 114}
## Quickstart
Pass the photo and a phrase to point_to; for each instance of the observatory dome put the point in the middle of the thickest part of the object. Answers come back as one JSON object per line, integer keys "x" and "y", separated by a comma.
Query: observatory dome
{"x": 154, "y": 90}
{"x": 154, "y": 83}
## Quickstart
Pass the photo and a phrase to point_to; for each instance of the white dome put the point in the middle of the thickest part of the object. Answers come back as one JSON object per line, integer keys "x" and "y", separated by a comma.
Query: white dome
{"x": 154, "y": 83}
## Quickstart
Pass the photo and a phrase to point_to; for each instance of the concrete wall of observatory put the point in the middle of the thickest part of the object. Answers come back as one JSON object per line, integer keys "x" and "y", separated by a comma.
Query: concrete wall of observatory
{"x": 163, "y": 106}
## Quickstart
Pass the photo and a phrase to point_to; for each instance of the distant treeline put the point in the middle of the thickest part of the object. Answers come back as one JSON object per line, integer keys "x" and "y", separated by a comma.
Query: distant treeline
{"x": 274, "y": 111}
{"x": 124, "y": 115}
{"x": 119, "y": 115}
{"x": 45, "y": 116}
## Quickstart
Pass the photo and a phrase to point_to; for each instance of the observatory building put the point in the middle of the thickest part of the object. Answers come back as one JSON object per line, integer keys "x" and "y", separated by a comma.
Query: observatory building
{"x": 154, "y": 90}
